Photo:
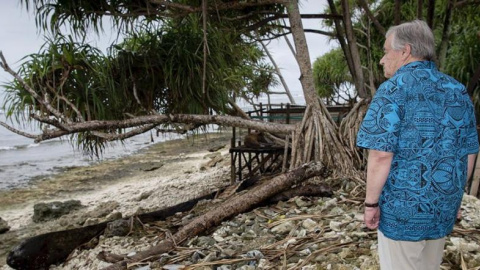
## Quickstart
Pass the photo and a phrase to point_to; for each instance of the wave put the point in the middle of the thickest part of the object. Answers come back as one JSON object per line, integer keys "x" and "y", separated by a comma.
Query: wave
{"x": 25, "y": 146}
{"x": 33, "y": 145}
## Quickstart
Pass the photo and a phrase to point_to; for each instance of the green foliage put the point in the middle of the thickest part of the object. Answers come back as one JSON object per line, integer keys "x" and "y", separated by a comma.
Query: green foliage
{"x": 159, "y": 67}
{"x": 330, "y": 72}
{"x": 463, "y": 54}
{"x": 85, "y": 15}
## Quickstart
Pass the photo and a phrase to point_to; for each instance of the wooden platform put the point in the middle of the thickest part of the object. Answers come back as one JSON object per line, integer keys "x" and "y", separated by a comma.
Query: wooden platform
{"x": 247, "y": 162}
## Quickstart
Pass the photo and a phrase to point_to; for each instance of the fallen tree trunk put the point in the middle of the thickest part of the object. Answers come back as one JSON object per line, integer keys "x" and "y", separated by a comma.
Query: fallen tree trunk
{"x": 230, "y": 208}
{"x": 41, "y": 251}
{"x": 305, "y": 191}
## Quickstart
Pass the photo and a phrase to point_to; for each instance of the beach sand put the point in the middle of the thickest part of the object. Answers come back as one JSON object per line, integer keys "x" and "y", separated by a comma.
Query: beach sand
{"x": 158, "y": 176}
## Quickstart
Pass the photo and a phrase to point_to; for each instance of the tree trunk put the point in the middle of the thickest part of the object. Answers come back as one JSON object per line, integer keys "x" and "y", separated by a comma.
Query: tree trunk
{"x": 341, "y": 39}
{"x": 228, "y": 209}
{"x": 316, "y": 138}
{"x": 352, "y": 44}
{"x": 41, "y": 251}
{"x": 420, "y": 9}
{"x": 430, "y": 13}
{"x": 472, "y": 84}
{"x": 397, "y": 12}
{"x": 442, "y": 51}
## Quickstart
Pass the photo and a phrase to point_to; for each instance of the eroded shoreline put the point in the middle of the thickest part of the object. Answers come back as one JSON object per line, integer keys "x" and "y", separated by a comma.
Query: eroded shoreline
{"x": 169, "y": 172}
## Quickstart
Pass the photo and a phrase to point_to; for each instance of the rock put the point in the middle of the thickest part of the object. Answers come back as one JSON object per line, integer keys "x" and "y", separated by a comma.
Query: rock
{"x": 103, "y": 209}
{"x": 146, "y": 267}
{"x": 218, "y": 238}
{"x": 144, "y": 196}
{"x": 205, "y": 241}
{"x": 117, "y": 228}
{"x": 283, "y": 228}
{"x": 309, "y": 225}
{"x": 300, "y": 202}
{"x": 3, "y": 226}
{"x": 247, "y": 267}
{"x": 213, "y": 162}
{"x": 114, "y": 216}
{"x": 211, "y": 156}
{"x": 461, "y": 244}
{"x": 91, "y": 221}
{"x": 301, "y": 233}
{"x": 197, "y": 256}
{"x": 249, "y": 235}
{"x": 216, "y": 148}
{"x": 254, "y": 254}
{"x": 335, "y": 226}
{"x": 173, "y": 267}
{"x": 151, "y": 167}
{"x": 229, "y": 252}
{"x": 53, "y": 210}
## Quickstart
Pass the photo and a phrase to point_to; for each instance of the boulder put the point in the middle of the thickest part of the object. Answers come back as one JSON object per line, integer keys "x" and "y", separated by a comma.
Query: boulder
{"x": 53, "y": 210}
{"x": 3, "y": 226}
{"x": 104, "y": 209}
{"x": 119, "y": 227}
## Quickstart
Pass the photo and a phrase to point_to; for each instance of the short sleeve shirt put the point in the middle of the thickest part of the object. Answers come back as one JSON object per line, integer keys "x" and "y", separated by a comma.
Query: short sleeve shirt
{"x": 426, "y": 119}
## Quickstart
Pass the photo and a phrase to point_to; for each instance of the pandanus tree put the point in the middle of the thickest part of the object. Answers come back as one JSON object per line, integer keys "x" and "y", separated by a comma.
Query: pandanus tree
{"x": 181, "y": 63}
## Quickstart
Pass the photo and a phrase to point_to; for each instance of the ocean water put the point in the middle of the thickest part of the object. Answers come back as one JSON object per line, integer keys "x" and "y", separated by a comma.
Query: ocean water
{"x": 22, "y": 160}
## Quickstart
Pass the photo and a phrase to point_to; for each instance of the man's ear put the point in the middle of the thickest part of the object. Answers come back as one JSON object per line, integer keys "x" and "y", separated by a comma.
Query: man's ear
{"x": 407, "y": 51}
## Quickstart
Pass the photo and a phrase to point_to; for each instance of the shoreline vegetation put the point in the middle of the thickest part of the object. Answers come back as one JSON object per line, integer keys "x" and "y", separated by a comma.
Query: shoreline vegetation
{"x": 301, "y": 233}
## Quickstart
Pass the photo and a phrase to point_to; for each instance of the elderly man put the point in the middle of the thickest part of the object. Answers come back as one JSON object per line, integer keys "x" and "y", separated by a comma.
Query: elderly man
{"x": 422, "y": 140}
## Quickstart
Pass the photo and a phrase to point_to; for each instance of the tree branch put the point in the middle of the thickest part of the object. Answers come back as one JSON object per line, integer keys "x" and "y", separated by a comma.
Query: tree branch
{"x": 38, "y": 98}
{"x": 464, "y": 3}
{"x": 19, "y": 132}
{"x": 370, "y": 15}
{"x": 330, "y": 34}
{"x": 218, "y": 6}
{"x": 112, "y": 137}
{"x": 99, "y": 125}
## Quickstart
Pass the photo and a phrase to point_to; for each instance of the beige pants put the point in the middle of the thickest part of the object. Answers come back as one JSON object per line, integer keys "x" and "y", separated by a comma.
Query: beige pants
{"x": 408, "y": 255}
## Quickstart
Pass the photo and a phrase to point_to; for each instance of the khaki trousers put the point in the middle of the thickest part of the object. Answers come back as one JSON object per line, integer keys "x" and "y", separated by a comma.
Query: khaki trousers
{"x": 409, "y": 255}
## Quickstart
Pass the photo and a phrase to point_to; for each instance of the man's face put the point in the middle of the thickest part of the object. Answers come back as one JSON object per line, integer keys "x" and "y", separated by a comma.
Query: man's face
{"x": 392, "y": 60}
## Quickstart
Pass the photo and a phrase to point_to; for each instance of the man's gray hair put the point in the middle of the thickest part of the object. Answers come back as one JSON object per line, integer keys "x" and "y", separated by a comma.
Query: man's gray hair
{"x": 418, "y": 35}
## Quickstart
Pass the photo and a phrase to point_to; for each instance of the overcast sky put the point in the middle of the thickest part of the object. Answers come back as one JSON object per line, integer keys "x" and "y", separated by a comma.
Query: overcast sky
{"x": 19, "y": 37}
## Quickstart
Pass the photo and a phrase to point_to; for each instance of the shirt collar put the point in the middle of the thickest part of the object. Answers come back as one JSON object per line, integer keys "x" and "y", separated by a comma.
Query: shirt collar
{"x": 416, "y": 65}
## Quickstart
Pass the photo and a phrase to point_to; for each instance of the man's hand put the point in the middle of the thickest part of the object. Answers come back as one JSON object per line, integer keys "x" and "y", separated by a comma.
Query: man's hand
{"x": 372, "y": 217}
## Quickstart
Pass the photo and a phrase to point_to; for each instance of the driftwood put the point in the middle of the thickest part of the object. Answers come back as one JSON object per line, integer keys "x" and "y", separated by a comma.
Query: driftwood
{"x": 306, "y": 191}
{"x": 238, "y": 204}
{"x": 43, "y": 250}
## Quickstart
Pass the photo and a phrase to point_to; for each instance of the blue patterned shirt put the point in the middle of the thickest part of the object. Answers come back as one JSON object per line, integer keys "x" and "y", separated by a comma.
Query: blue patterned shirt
{"x": 426, "y": 119}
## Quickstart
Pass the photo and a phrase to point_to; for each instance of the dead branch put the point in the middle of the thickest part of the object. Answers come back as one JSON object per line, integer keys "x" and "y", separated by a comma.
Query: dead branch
{"x": 19, "y": 132}
{"x": 238, "y": 204}
{"x": 42, "y": 100}
{"x": 100, "y": 125}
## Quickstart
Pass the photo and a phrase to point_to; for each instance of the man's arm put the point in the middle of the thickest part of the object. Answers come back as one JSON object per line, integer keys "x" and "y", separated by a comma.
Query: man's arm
{"x": 378, "y": 168}
{"x": 471, "y": 165}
